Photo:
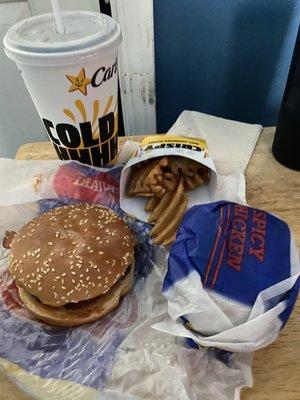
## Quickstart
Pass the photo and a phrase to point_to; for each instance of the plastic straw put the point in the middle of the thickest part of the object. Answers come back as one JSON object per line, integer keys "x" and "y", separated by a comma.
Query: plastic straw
{"x": 58, "y": 19}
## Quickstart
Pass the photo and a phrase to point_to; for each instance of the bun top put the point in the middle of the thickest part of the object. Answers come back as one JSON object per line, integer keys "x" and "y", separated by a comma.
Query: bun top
{"x": 71, "y": 253}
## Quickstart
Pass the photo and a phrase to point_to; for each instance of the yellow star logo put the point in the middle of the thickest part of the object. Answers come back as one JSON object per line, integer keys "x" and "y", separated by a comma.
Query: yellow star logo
{"x": 79, "y": 82}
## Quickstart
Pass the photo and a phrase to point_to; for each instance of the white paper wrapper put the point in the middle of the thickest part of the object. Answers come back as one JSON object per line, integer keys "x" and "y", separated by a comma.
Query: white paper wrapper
{"x": 146, "y": 363}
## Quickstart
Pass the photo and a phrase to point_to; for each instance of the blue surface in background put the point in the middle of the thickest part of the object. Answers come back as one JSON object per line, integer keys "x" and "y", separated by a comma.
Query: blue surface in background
{"x": 224, "y": 57}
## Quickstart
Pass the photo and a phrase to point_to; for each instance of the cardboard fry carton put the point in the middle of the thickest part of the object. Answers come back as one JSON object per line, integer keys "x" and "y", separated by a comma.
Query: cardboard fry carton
{"x": 165, "y": 145}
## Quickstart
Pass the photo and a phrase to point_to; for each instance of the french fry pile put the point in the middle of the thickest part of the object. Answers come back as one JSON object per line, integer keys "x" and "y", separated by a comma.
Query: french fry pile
{"x": 164, "y": 181}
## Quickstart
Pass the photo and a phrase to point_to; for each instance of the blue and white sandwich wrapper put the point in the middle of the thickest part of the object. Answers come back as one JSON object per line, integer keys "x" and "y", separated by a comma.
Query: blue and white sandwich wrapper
{"x": 232, "y": 279}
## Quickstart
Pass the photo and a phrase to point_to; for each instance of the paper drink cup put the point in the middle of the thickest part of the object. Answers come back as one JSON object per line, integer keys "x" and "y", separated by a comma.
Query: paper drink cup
{"x": 73, "y": 81}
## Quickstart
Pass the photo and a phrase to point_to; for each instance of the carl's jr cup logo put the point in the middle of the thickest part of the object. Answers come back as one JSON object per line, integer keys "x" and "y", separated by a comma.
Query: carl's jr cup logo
{"x": 90, "y": 132}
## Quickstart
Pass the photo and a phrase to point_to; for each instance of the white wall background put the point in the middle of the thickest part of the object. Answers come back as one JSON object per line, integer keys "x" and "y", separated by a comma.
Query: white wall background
{"x": 19, "y": 121}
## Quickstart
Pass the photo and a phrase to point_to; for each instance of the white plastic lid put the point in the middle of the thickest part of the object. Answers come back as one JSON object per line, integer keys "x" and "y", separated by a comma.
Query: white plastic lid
{"x": 35, "y": 40}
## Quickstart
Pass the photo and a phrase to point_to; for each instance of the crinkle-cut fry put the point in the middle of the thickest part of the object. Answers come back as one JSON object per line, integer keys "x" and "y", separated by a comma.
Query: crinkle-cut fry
{"x": 143, "y": 194}
{"x": 154, "y": 176}
{"x": 156, "y": 188}
{"x": 204, "y": 172}
{"x": 188, "y": 184}
{"x": 164, "y": 161}
{"x": 170, "y": 229}
{"x": 187, "y": 166}
{"x": 170, "y": 240}
{"x": 153, "y": 173}
{"x": 168, "y": 175}
{"x": 194, "y": 181}
{"x": 151, "y": 204}
{"x": 164, "y": 201}
{"x": 198, "y": 180}
{"x": 170, "y": 180}
{"x": 169, "y": 211}
{"x": 137, "y": 179}
{"x": 170, "y": 185}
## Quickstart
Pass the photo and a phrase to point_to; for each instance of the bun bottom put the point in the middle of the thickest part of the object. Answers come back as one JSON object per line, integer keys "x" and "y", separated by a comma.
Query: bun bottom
{"x": 79, "y": 313}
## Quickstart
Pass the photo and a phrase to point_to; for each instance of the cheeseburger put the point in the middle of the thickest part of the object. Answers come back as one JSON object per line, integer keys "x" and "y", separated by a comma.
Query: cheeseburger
{"x": 72, "y": 265}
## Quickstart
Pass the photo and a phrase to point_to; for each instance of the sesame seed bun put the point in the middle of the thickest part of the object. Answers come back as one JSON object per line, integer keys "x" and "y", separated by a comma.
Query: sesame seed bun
{"x": 90, "y": 311}
{"x": 71, "y": 254}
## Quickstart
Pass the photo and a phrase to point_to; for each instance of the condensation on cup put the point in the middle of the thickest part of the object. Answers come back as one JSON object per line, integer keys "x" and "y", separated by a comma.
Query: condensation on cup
{"x": 73, "y": 81}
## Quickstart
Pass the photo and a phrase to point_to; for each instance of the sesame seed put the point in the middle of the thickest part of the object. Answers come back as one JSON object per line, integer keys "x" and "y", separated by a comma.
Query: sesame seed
{"x": 64, "y": 274}
{"x": 50, "y": 243}
{"x": 64, "y": 288}
{"x": 73, "y": 273}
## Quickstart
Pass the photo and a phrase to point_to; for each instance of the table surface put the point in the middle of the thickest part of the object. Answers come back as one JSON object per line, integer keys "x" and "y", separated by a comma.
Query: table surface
{"x": 274, "y": 188}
